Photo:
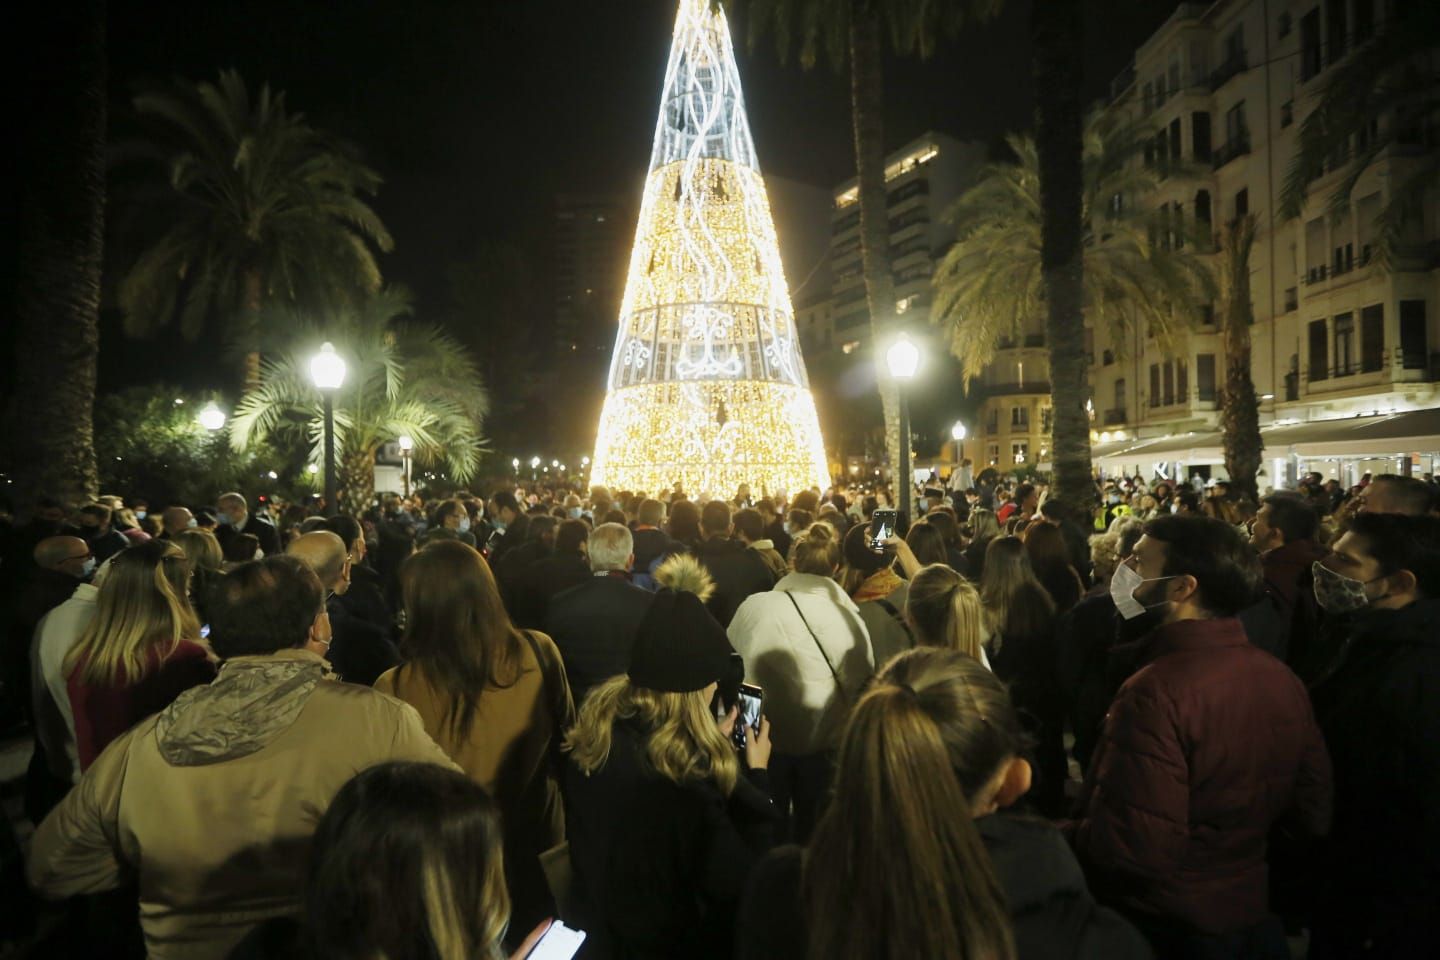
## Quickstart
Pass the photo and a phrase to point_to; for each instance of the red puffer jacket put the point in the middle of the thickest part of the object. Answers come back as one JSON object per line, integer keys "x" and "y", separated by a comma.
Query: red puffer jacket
{"x": 1208, "y": 744}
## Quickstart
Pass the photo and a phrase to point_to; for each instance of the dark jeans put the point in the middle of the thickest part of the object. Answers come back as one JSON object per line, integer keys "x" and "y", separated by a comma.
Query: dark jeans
{"x": 798, "y": 785}
{"x": 1173, "y": 941}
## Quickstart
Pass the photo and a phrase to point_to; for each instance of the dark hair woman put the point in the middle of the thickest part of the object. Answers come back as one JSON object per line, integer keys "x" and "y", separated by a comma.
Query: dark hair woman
{"x": 494, "y": 697}
{"x": 1050, "y": 558}
{"x": 914, "y": 858}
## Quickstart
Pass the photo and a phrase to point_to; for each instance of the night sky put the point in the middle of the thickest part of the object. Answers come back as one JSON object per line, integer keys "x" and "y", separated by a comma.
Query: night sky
{"x": 477, "y": 113}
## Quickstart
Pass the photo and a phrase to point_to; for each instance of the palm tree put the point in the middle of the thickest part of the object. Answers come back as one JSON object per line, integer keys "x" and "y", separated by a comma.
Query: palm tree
{"x": 263, "y": 210}
{"x": 992, "y": 281}
{"x": 403, "y": 379}
{"x": 1239, "y": 407}
{"x": 851, "y": 32}
{"x": 1386, "y": 92}
{"x": 61, "y": 216}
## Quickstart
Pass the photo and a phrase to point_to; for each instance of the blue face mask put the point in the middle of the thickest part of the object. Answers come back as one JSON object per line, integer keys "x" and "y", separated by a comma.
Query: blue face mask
{"x": 140, "y": 514}
{"x": 88, "y": 568}
{"x": 574, "y": 513}
{"x": 464, "y": 525}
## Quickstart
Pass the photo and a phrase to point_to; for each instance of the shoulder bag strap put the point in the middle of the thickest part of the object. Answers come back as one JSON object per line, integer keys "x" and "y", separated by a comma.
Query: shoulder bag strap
{"x": 838, "y": 685}
{"x": 550, "y": 690}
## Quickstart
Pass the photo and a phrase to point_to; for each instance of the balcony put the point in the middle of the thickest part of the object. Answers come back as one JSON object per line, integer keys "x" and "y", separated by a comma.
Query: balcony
{"x": 1233, "y": 64}
{"x": 1238, "y": 146}
{"x": 1016, "y": 389}
{"x": 1114, "y": 418}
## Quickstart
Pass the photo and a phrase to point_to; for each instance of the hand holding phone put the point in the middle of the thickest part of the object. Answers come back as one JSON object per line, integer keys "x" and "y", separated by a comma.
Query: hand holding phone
{"x": 748, "y": 702}
{"x": 555, "y": 942}
{"x": 882, "y": 527}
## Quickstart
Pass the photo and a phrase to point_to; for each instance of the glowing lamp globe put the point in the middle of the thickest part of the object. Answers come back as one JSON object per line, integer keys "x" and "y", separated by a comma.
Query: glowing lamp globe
{"x": 406, "y": 443}
{"x": 327, "y": 368}
{"x": 903, "y": 358}
{"x": 211, "y": 417}
{"x": 957, "y": 432}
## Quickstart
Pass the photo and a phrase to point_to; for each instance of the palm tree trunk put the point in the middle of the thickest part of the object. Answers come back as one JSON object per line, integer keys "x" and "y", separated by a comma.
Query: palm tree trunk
{"x": 355, "y": 481}
{"x": 1239, "y": 407}
{"x": 61, "y": 222}
{"x": 254, "y": 299}
{"x": 867, "y": 115}
{"x": 1055, "y": 27}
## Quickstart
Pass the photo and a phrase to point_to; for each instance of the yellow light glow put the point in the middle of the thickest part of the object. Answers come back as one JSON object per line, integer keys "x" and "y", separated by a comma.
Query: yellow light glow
{"x": 707, "y": 386}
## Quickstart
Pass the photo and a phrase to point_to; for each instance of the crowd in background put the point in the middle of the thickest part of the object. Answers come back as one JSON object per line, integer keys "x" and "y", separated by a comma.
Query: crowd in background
{"x": 1182, "y": 725}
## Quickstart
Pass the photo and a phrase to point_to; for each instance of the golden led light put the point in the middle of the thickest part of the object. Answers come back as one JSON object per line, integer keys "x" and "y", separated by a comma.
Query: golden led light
{"x": 707, "y": 386}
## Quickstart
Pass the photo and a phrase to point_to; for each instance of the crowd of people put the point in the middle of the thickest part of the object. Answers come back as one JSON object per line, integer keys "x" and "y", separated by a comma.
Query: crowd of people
{"x": 1182, "y": 725}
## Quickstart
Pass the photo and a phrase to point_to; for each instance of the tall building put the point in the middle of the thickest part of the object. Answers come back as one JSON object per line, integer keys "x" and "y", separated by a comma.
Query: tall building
{"x": 591, "y": 238}
{"x": 1226, "y": 87}
{"x": 707, "y": 386}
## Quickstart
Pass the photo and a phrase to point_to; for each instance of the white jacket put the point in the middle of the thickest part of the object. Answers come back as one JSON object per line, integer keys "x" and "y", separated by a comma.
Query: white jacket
{"x": 56, "y": 633}
{"x": 782, "y": 657}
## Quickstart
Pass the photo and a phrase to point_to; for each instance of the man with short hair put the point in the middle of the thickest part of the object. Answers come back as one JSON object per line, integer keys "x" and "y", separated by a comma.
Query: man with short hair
{"x": 510, "y": 566}
{"x": 593, "y": 624}
{"x": 210, "y": 805}
{"x": 566, "y": 566}
{"x": 509, "y": 525}
{"x": 235, "y": 518}
{"x": 452, "y": 516}
{"x": 366, "y": 597}
{"x": 750, "y": 530}
{"x": 1379, "y": 873}
{"x": 1389, "y": 493}
{"x": 95, "y": 526}
{"x": 360, "y": 651}
{"x": 174, "y": 520}
{"x": 1284, "y": 533}
{"x": 652, "y": 543}
{"x": 1205, "y": 747}
{"x": 774, "y": 525}
{"x": 737, "y": 571}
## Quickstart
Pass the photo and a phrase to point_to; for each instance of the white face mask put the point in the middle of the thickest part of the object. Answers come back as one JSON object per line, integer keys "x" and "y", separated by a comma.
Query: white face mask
{"x": 259, "y": 554}
{"x": 464, "y": 525}
{"x": 1122, "y": 590}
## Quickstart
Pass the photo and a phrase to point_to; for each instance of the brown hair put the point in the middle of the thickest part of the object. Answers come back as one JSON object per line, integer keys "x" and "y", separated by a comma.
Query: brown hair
{"x": 896, "y": 868}
{"x": 1016, "y": 604}
{"x": 816, "y": 551}
{"x": 457, "y": 632}
{"x": 944, "y": 608}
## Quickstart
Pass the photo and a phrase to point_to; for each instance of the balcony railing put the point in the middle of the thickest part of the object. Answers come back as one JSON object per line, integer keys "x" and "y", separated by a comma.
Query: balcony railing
{"x": 1114, "y": 417}
{"x": 1011, "y": 389}
{"x": 1238, "y": 146}
{"x": 1233, "y": 64}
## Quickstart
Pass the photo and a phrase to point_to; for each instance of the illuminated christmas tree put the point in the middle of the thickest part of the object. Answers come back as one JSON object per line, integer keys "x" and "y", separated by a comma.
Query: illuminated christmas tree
{"x": 707, "y": 387}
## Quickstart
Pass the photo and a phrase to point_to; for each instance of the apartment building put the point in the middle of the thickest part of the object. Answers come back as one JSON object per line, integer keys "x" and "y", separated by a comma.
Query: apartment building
{"x": 1225, "y": 86}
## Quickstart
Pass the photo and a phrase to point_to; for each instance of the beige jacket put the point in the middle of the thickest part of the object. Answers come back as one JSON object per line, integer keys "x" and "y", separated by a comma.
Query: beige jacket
{"x": 211, "y": 803}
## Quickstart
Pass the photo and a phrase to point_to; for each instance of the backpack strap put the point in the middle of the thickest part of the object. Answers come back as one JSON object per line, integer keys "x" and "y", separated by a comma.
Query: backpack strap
{"x": 823, "y": 655}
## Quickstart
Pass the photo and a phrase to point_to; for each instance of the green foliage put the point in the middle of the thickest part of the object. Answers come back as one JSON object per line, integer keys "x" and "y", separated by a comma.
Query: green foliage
{"x": 989, "y": 286}
{"x": 150, "y": 446}
{"x": 1385, "y": 93}
{"x": 821, "y": 28}
{"x": 402, "y": 378}
{"x": 261, "y": 208}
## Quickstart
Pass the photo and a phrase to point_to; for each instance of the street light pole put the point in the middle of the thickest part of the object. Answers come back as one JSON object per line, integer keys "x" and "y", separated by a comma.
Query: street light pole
{"x": 407, "y": 445}
{"x": 330, "y": 492}
{"x": 327, "y": 370}
{"x": 903, "y": 358}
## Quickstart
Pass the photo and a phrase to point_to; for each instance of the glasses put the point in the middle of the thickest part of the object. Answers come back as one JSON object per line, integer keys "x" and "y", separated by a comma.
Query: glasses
{"x": 83, "y": 556}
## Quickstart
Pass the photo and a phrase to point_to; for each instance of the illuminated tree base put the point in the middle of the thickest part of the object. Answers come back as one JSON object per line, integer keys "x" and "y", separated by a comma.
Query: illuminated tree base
{"x": 655, "y": 435}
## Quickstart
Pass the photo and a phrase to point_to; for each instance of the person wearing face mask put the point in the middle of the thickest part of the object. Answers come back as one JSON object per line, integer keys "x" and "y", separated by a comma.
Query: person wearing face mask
{"x": 1284, "y": 533}
{"x": 451, "y": 516}
{"x": 360, "y": 651}
{"x": 1379, "y": 872}
{"x": 1205, "y": 748}
{"x": 235, "y": 518}
{"x": 94, "y": 521}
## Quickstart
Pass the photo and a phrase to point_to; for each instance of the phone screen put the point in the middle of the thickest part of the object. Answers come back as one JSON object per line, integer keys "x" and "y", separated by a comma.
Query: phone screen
{"x": 749, "y": 703}
{"x": 558, "y": 943}
{"x": 882, "y": 528}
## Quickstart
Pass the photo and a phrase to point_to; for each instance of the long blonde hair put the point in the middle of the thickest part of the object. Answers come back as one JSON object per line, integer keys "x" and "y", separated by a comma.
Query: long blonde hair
{"x": 202, "y": 549}
{"x": 896, "y": 868}
{"x": 945, "y": 610}
{"x": 682, "y": 741}
{"x": 143, "y": 606}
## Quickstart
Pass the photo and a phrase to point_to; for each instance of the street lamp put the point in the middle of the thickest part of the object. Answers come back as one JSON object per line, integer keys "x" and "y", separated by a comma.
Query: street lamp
{"x": 515, "y": 462}
{"x": 406, "y": 446}
{"x": 212, "y": 418}
{"x": 903, "y": 359}
{"x": 327, "y": 370}
{"x": 957, "y": 433}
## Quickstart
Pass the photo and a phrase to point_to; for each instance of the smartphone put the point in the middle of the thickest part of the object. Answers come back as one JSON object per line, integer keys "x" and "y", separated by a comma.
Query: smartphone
{"x": 558, "y": 943}
{"x": 204, "y": 631}
{"x": 749, "y": 702}
{"x": 882, "y": 528}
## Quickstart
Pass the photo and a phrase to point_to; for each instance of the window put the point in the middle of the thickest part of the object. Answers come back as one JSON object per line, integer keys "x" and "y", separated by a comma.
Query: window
{"x": 1175, "y": 139}
{"x": 1019, "y": 418}
{"x": 1200, "y": 134}
{"x": 1149, "y": 97}
{"x": 1120, "y": 395}
{"x": 992, "y": 453}
{"x": 1319, "y": 351}
{"x": 1202, "y": 208}
{"x": 1154, "y": 384}
{"x": 1167, "y": 373}
{"x": 1235, "y": 44}
{"x": 1282, "y": 28}
{"x": 1107, "y": 357}
{"x": 1182, "y": 381}
{"x": 1287, "y": 113}
{"x": 1310, "y": 62}
{"x": 1414, "y": 352}
{"x": 1242, "y": 202}
{"x": 1344, "y": 344}
{"x": 1364, "y": 27}
{"x": 1047, "y": 418}
{"x": 1235, "y": 128}
{"x": 1205, "y": 376}
{"x": 1020, "y": 452}
{"x": 1372, "y": 338}
{"x": 1335, "y": 29}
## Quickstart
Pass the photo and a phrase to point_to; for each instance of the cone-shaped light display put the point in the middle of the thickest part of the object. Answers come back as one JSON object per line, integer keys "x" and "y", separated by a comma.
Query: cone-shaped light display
{"x": 707, "y": 387}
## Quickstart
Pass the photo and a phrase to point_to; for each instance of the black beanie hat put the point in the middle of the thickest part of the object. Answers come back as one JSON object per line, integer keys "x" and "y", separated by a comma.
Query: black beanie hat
{"x": 679, "y": 648}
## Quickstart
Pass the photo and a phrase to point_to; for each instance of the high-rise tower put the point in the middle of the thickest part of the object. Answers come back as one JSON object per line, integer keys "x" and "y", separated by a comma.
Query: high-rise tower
{"x": 707, "y": 387}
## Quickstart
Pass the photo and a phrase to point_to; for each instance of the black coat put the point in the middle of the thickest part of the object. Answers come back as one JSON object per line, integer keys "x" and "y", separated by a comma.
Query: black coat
{"x": 1027, "y": 664}
{"x": 365, "y": 600}
{"x": 1053, "y": 914}
{"x": 652, "y": 544}
{"x": 659, "y": 867}
{"x": 737, "y": 571}
{"x": 1083, "y": 640}
{"x": 778, "y": 536}
{"x": 593, "y": 625}
{"x": 261, "y": 530}
{"x": 539, "y": 582}
{"x": 1380, "y": 713}
{"x": 359, "y": 650}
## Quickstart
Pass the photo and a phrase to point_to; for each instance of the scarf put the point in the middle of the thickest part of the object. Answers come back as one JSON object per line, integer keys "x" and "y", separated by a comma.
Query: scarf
{"x": 878, "y": 586}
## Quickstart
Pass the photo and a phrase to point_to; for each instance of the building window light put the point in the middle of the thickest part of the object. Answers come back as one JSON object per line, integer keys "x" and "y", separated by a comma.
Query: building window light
{"x": 850, "y": 346}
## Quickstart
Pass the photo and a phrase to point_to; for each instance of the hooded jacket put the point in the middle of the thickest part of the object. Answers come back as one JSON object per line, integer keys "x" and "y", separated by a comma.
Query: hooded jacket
{"x": 211, "y": 803}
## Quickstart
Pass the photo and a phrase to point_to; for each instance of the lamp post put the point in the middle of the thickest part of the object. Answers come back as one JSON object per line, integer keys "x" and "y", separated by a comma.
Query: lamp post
{"x": 327, "y": 370}
{"x": 407, "y": 445}
{"x": 212, "y": 418}
{"x": 903, "y": 359}
{"x": 957, "y": 433}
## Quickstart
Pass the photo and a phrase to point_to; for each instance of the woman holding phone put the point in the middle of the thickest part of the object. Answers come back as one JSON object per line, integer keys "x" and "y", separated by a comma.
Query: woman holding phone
{"x": 916, "y": 857}
{"x": 663, "y": 824}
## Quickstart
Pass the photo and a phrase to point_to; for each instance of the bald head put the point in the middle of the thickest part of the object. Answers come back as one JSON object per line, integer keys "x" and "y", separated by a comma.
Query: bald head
{"x": 62, "y": 554}
{"x": 175, "y": 519}
{"x": 326, "y": 554}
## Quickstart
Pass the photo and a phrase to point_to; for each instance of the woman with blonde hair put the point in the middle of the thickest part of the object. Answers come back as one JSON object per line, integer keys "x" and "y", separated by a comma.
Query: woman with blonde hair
{"x": 944, "y": 610}
{"x": 206, "y": 562}
{"x": 1020, "y": 620}
{"x": 663, "y": 824}
{"x": 984, "y": 527}
{"x": 140, "y": 652}
{"x": 494, "y": 697}
{"x": 916, "y": 858}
